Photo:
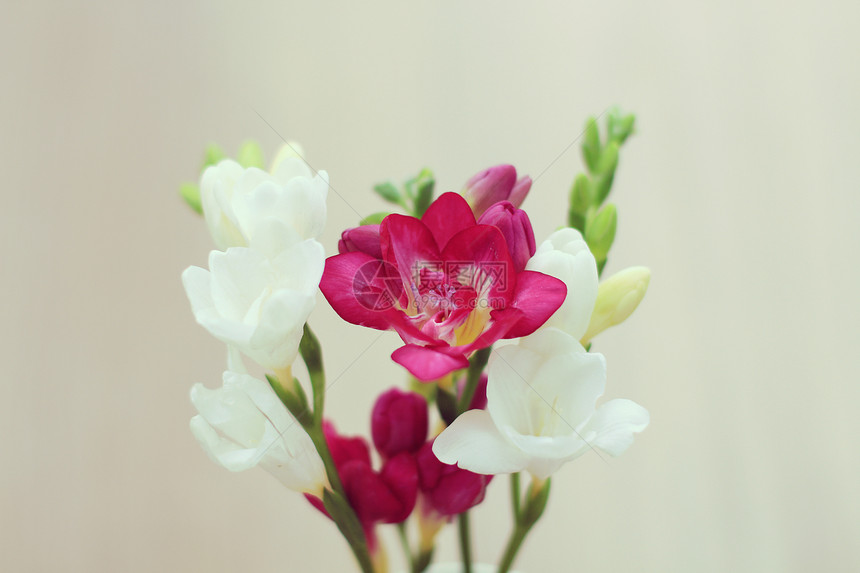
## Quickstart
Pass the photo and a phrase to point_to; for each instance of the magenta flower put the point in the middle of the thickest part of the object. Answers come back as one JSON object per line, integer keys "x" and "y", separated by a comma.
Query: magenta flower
{"x": 496, "y": 184}
{"x": 448, "y": 285}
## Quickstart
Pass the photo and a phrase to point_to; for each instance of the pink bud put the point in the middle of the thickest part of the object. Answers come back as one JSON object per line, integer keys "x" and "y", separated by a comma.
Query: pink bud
{"x": 517, "y": 229}
{"x": 520, "y": 190}
{"x": 399, "y": 422}
{"x": 344, "y": 449}
{"x": 386, "y": 497}
{"x": 364, "y": 239}
{"x": 449, "y": 489}
{"x": 490, "y": 186}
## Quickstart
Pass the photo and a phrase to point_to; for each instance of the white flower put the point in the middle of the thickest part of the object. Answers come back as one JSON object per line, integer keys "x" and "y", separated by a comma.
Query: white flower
{"x": 541, "y": 397}
{"x": 237, "y": 202}
{"x": 243, "y": 424}
{"x": 256, "y": 303}
{"x": 565, "y": 256}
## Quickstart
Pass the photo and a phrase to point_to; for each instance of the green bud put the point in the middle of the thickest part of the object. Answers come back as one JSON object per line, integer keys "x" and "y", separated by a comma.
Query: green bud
{"x": 191, "y": 193}
{"x": 250, "y": 155}
{"x": 536, "y": 501}
{"x": 580, "y": 201}
{"x": 375, "y": 218}
{"x": 591, "y": 144}
{"x": 424, "y": 185}
{"x": 605, "y": 173}
{"x": 620, "y": 126}
{"x": 600, "y": 232}
{"x": 212, "y": 155}
{"x": 608, "y": 158}
{"x": 389, "y": 192}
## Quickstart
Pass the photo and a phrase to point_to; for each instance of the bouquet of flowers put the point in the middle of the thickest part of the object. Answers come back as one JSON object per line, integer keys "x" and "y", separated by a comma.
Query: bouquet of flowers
{"x": 497, "y": 332}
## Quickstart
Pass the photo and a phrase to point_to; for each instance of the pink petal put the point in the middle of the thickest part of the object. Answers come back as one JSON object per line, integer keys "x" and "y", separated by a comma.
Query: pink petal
{"x": 478, "y": 257}
{"x": 407, "y": 245}
{"x": 446, "y": 216}
{"x": 538, "y": 296}
{"x": 428, "y": 364}
{"x": 361, "y": 289}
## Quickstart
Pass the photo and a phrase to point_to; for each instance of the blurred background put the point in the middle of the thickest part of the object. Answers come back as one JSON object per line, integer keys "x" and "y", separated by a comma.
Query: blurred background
{"x": 739, "y": 190}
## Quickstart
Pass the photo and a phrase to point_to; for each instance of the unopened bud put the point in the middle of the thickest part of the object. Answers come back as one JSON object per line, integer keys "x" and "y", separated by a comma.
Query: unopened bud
{"x": 617, "y": 298}
{"x": 495, "y": 184}
{"x": 600, "y": 232}
{"x": 399, "y": 422}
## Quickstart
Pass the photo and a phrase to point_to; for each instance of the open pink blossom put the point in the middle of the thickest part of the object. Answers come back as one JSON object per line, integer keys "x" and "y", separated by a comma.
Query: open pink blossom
{"x": 445, "y": 283}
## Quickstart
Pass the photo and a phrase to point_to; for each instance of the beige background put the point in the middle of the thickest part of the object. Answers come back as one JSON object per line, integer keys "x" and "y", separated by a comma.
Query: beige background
{"x": 740, "y": 191}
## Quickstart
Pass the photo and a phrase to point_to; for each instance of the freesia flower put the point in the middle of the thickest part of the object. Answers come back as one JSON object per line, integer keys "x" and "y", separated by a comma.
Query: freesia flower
{"x": 256, "y": 303}
{"x": 243, "y": 424}
{"x": 541, "y": 411}
{"x": 445, "y": 283}
{"x": 496, "y": 184}
{"x": 237, "y": 202}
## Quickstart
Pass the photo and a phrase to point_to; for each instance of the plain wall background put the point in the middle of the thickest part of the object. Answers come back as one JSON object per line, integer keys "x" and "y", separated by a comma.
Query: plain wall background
{"x": 739, "y": 191}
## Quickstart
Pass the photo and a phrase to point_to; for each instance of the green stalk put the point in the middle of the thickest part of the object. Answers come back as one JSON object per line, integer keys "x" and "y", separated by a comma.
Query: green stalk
{"x": 515, "y": 496}
{"x": 473, "y": 376}
{"x": 335, "y": 501}
{"x": 531, "y": 512}
{"x": 465, "y": 541}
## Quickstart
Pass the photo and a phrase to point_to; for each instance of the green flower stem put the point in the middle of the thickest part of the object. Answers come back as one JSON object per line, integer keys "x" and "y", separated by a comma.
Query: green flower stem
{"x": 404, "y": 543}
{"x": 465, "y": 541}
{"x": 336, "y": 502}
{"x": 515, "y": 496}
{"x": 514, "y": 543}
{"x": 531, "y": 512}
{"x": 473, "y": 375}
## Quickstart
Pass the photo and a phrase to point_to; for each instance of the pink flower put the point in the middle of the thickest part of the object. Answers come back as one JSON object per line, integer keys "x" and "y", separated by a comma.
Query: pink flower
{"x": 445, "y": 283}
{"x": 496, "y": 184}
{"x": 399, "y": 422}
{"x": 448, "y": 489}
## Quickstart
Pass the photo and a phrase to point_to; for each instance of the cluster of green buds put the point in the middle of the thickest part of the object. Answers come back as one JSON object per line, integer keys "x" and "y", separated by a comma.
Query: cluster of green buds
{"x": 588, "y": 212}
{"x": 415, "y": 195}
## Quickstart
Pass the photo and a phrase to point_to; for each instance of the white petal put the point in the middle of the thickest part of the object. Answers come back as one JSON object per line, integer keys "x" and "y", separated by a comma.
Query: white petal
{"x": 275, "y": 341}
{"x": 566, "y": 256}
{"x": 614, "y": 424}
{"x": 474, "y": 443}
{"x": 217, "y": 186}
{"x": 508, "y": 392}
{"x": 239, "y": 277}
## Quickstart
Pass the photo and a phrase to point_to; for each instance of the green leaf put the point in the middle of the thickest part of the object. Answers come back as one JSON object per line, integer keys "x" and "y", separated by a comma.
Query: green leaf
{"x": 425, "y": 185}
{"x": 375, "y": 218}
{"x": 390, "y": 193}
{"x": 250, "y": 155}
{"x": 600, "y": 232}
{"x": 212, "y": 155}
{"x": 591, "y": 145}
{"x": 191, "y": 193}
